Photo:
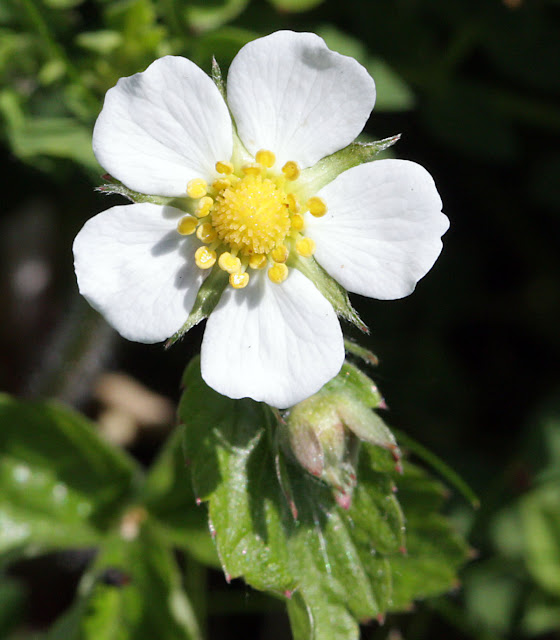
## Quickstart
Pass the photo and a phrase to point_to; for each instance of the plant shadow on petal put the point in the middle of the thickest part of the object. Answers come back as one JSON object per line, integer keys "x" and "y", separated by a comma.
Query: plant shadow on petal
{"x": 166, "y": 244}
{"x": 316, "y": 59}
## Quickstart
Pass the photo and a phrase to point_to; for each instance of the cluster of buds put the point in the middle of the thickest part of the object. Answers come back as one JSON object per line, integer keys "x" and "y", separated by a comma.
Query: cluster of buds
{"x": 323, "y": 433}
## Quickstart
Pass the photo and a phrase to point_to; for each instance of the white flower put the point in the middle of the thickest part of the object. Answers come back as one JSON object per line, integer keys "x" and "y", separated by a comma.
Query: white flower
{"x": 243, "y": 201}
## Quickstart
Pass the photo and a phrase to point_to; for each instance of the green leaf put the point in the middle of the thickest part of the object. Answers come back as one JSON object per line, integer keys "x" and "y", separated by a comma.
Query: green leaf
{"x": 203, "y": 15}
{"x": 132, "y": 591}
{"x": 54, "y": 137}
{"x": 295, "y": 6}
{"x": 335, "y": 566}
{"x": 169, "y": 497}
{"x": 12, "y": 600}
{"x": 60, "y": 484}
{"x": 540, "y": 515}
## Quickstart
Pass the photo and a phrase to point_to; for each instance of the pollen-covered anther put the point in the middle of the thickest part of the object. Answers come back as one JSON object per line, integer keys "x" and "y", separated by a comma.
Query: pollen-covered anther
{"x": 278, "y": 273}
{"x": 297, "y": 222}
{"x": 229, "y": 263}
{"x": 252, "y": 169}
{"x": 221, "y": 183}
{"x": 196, "y": 188}
{"x": 204, "y": 206}
{"x": 265, "y": 158}
{"x": 239, "y": 280}
{"x": 305, "y": 247}
{"x": 223, "y": 167}
{"x": 293, "y": 202}
{"x": 280, "y": 253}
{"x": 291, "y": 170}
{"x": 206, "y": 233}
{"x": 187, "y": 225}
{"x": 317, "y": 206}
{"x": 258, "y": 261}
{"x": 204, "y": 258}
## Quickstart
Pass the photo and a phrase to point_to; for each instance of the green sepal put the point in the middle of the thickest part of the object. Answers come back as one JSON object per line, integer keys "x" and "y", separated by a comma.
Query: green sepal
{"x": 218, "y": 79}
{"x": 113, "y": 186}
{"x": 329, "y": 288}
{"x": 207, "y": 298}
{"x": 326, "y": 170}
{"x": 355, "y": 349}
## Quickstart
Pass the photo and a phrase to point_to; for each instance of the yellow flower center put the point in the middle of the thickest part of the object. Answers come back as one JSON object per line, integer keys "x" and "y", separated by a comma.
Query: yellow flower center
{"x": 250, "y": 218}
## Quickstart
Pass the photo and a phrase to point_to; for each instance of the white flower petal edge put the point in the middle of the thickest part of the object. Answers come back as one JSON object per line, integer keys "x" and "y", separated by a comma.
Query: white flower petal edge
{"x": 291, "y": 94}
{"x": 160, "y": 128}
{"x": 382, "y": 231}
{"x": 274, "y": 343}
{"x": 135, "y": 269}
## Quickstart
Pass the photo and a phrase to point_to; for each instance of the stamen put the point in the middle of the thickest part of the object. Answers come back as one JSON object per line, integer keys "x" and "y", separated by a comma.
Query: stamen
{"x": 305, "y": 247}
{"x": 293, "y": 202}
{"x": 239, "y": 280}
{"x": 280, "y": 253}
{"x": 258, "y": 261}
{"x": 221, "y": 183}
{"x": 317, "y": 206}
{"x": 266, "y": 158}
{"x": 187, "y": 225}
{"x": 291, "y": 170}
{"x": 252, "y": 169}
{"x": 225, "y": 168}
{"x": 278, "y": 273}
{"x": 204, "y": 206}
{"x": 297, "y": 222}
{"x": 196, "y": 188}
{"x": 206, "y": 233}
{"x": 229, "y": 263}
{"x": 204, "y": 258}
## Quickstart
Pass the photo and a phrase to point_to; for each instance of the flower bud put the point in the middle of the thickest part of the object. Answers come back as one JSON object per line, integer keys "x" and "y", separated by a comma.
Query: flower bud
{"x": 323, "y": 432}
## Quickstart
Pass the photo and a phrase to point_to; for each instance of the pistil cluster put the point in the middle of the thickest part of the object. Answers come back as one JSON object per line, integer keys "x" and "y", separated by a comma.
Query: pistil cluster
{"x": 250, "y": 219}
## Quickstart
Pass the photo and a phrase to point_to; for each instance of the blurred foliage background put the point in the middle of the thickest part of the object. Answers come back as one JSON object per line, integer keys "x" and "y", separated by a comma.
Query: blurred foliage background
{"x": 469, "y": 362}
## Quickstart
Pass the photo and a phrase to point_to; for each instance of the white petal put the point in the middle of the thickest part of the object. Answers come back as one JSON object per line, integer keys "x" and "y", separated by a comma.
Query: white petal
{"x": 277, "y": 343}
{"x": 161, "y": 128}
{"x": 135, "y": 269}
{"x": 291, "y": 94}
{"x": 382, "y": 231}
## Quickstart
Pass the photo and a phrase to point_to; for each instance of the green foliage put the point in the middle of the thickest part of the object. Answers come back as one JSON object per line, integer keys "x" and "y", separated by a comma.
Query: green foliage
{"x": 61, "y": 484}
{"x": 133, "y": 590}
{"x": 282, "y": 531}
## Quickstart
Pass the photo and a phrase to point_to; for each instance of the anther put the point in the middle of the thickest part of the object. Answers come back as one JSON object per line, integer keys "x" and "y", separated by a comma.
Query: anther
{"x": 204, "y": 205}
{"x": 305, "y": 247}
{"x": 225, "y": 168}
{"x": 293, "y": 202}
{"x": 317, "y": 206}
{"x": 187, "y": 225}
{"x": 206, "y": 233}
{"x": 229, "y": 263}
{"x": 221, "y": 183}
{"x": 297, "y": 222}
{"x": 258, "y": 261}
{"x": 265, "y": 158}
{"x": 252, "y": 169}
{"x": 280, "y": 253}
{"x": 278, "y": 273}
{"x": 196, "y": 188}
{"x": 204, "y": 258}
{"x": 239, "y": 280}
{"x": 291, "y": 170}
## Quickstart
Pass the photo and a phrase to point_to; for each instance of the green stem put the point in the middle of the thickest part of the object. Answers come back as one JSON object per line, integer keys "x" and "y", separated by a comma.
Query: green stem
{"x": 195, "y": 577}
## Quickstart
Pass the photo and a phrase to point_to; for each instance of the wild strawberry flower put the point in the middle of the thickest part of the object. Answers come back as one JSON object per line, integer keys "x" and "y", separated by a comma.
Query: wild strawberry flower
{"x": 251, "y": 197}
